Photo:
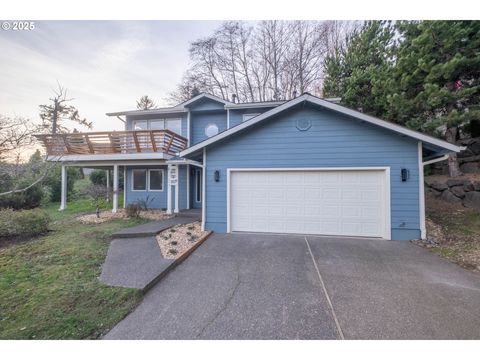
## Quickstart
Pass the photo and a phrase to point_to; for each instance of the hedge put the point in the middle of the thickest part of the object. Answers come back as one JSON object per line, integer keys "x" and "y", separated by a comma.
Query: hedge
{"x": 23, "y": 223}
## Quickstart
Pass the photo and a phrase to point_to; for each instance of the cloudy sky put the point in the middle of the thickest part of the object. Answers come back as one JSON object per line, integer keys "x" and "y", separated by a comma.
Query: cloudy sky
{"x": 105, "y": 65}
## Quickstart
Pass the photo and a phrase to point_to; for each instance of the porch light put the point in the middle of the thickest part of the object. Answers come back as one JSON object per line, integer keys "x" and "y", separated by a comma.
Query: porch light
{"x": 216, "y": 176}
{"x": 405, "y": 173}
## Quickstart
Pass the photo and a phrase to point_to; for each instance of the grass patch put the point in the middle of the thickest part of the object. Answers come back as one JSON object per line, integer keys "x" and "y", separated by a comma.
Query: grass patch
{"x": 49, "y": 287}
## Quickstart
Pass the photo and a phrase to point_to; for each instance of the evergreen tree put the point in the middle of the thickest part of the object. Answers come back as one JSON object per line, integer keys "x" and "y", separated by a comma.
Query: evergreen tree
{"x": 359, "y": 72}
{"x": 145, "y": 103}
{"x": 437, "y": 78}
{"x": 59, "y": 110}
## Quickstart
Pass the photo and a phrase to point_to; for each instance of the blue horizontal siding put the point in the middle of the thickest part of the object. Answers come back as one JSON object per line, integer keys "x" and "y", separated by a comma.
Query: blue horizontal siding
{"x": 159, "y": 197}
{"x": 334, "y": 140}
{"x": 236, "y": 115}
{"x": 200, "y": 120}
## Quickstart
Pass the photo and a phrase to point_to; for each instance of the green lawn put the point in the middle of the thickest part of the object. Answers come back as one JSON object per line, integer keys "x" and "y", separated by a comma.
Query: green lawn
{"x": 49, "y": 286}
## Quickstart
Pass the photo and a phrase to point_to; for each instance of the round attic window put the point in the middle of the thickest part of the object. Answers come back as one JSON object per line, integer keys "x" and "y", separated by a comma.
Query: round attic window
{"x": 211, "y": 130}
{"x": 303, "y": 124}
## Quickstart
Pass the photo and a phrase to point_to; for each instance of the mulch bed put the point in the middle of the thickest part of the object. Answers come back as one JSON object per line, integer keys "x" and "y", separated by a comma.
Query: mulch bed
{"x": 152, "y": 214}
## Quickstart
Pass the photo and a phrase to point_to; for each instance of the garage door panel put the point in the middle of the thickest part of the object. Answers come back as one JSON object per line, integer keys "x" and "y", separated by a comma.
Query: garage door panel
{"x": 350, "y": 203}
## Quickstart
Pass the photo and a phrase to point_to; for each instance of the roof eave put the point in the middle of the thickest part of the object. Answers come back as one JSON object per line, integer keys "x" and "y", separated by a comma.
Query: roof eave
{"x": 329, "y": 105}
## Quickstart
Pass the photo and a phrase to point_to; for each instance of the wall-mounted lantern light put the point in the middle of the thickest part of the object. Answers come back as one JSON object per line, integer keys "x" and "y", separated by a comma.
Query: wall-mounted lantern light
{"x": 216, "y": 176}
{"x": 405, "y": 174}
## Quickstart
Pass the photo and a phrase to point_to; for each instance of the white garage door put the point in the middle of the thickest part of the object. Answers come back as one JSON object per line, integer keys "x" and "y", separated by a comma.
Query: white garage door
{"x": 339, "y": 202}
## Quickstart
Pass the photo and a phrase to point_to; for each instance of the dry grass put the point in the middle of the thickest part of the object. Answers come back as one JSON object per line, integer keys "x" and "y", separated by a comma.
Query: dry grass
{"x": 174, "y": 242}
{"x": 152, "y": 214}
{"x": 456, "y": 232}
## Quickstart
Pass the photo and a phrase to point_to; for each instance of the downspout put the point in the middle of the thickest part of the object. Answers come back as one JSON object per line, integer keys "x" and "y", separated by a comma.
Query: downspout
{"x": 428, "y": 162}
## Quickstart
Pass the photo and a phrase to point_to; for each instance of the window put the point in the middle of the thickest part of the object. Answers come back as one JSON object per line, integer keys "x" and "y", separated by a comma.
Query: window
{"x": 140, "y": 125}
{"x": 139, "y": 180}
{"x": 198, "y": 186}
{"x": 155, "y": 180}
{"x": 174, "y": 125}
{"x": 211, "y": 130}
{"x": 157, "y": 124}
{"x": 248, "y": 116}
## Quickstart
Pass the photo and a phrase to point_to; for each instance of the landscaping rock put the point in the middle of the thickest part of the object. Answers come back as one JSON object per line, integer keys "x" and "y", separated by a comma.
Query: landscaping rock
{"x": 429, "y": 181}
{"x": 474, "y": 146}
{"x": 448, "y": 196}
{"x": 468, "y": 186}
{"x": 434, "y": 192}
{"x": 470, "y": 167}
{"x": 476, "y": 185}
{"x": 472, "y": 200}
{"x": 458, "y": 191}
{"x": 455, "y": 182}
{"x": 439, "y": 186}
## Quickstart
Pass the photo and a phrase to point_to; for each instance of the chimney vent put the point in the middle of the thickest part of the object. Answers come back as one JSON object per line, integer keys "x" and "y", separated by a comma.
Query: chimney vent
{"x": 234, "y": 98}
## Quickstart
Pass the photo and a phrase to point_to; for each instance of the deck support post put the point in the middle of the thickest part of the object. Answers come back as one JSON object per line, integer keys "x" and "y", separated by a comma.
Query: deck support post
{"x": 188, "y": 187}
{"x": 108, "y": 185}
{"x": 169, "y": 190}
{"x": 63, "y": 189}
{"x": 176, "y": 210}
{"x": 115, "y": 188}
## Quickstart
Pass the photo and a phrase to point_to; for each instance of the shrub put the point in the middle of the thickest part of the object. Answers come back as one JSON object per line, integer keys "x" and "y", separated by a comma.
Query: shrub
{"x": 28, "y": 199}
{"x": 133, "y": 210}
{"x": 98, "y": 177}
{"x": 23, "y": 223}
{"x": 145, "y": 203}
{"x": 54, "y": 182}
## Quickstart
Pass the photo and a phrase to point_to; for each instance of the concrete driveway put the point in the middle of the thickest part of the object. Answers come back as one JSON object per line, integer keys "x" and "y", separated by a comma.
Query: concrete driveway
{"x": 250, "y": 286}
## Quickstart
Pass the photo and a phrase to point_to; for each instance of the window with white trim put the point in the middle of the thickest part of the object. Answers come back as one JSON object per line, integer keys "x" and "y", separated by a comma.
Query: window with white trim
{"x": 139, "y": 180}
{"x": 155, "y": 180}
{"x": 249, "y": 116}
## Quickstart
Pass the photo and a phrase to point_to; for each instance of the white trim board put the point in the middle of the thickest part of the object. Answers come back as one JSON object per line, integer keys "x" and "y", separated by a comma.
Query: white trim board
{"x": 328, "y": 105}
{"x": 421, "y": 192}
{"x": 387, "y": 233}
{"x": 204, "y": 195}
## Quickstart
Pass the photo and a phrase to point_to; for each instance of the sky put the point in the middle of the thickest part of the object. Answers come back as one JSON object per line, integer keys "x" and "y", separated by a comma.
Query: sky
{"x": 105, "y": 65}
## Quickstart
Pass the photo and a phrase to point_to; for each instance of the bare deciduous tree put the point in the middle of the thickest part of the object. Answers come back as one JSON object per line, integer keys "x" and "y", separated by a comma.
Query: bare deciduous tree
{"x": 15, "y": 133}
{"x": 271, "y": 61}
{"x": 53, "y": 115}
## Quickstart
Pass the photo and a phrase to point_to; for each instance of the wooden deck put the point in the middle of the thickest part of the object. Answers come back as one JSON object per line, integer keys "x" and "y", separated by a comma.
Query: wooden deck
{"x": 122, "y": 142}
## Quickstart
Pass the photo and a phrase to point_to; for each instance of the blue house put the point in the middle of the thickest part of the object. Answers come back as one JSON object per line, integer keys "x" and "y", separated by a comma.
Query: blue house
{"x": 303, "y": 166}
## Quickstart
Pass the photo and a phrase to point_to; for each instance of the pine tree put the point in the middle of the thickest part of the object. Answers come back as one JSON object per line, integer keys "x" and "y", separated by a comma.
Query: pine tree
{"x": 145, "y": 103}
{"x": 59, "y": 110}
{"x": 436, "y": 80}
{"x": 358, "y": 73}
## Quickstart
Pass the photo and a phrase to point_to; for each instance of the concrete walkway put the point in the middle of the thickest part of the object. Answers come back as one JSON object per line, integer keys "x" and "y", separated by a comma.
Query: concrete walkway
{"x": 134, "y": 259}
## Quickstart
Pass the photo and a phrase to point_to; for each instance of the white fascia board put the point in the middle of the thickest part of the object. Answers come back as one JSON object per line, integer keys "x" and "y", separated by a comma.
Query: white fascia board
{"x": 108, "y": 157}
{"x": 176, "y": 109}
{"x": 385, "y": 124}
{"x": 254, "y": 105}
{"x": 184, "y": 162}
{"x": 205, "y": 95}
{"x": 328, "y": 105}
